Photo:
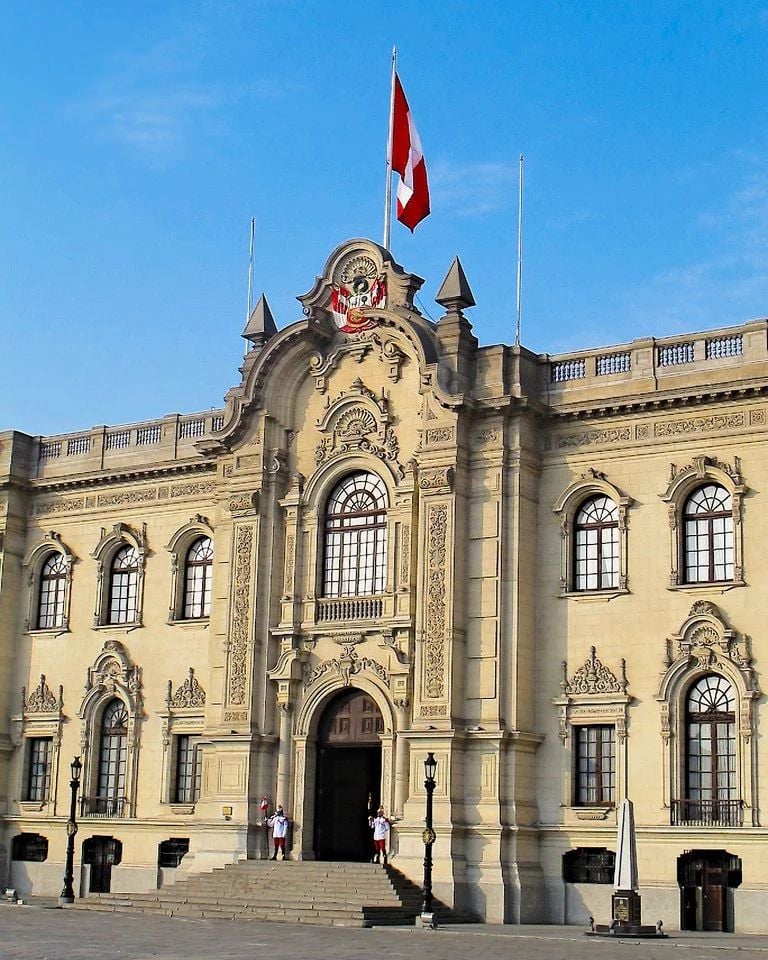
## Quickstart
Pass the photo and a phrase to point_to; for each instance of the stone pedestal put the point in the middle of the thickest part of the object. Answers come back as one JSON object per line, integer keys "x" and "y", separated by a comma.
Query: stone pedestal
{"x": 625, "y": 908}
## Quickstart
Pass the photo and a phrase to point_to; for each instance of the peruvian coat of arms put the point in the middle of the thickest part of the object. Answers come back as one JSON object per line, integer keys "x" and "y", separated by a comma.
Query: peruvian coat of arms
{"x": 361, "y": 288}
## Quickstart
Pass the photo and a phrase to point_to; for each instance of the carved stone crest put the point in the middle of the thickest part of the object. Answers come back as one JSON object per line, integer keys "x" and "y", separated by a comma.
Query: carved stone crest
{"x": 594, "y": 678}
{"x": 42, "y": 699}
{"x": 189, "y": 694}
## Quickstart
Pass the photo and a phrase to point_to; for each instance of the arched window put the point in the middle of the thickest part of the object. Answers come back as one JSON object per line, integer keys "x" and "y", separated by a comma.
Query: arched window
{"x": 596, "y": 545}
{"x": 356, "y": 537}
{"x": 123, "y": 586}
{"x": 51, "y": 598}
{"x": 708, "y": 535}
{"x": 113, "y": 755}
{"x": 198, "y": 572}
{"x": 710, "y": 720}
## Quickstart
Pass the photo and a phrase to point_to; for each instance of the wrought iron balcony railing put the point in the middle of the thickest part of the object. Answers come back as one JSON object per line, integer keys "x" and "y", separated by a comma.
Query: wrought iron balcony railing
{"x": 104, "y": 808}
{"x": 707, "y": 813}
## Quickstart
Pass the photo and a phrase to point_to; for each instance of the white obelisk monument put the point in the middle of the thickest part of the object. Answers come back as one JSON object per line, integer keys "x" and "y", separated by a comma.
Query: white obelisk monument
{"x": 626, "y": 899}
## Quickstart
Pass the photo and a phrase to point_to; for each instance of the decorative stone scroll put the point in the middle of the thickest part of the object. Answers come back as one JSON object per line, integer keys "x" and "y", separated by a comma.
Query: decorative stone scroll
{"x": 188, "y": 695}
{"x": 238, "y": 647}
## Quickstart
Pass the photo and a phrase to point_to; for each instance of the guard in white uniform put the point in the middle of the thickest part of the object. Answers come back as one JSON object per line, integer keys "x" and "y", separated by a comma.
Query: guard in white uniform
{"x": 380, "y": 825}
{"x": 279, "y": 823}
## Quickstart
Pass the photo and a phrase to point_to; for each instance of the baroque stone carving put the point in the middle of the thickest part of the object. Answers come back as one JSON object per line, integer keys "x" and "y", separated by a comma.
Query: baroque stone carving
{"x": 705, "y": 640}
{"x": 42, "y": 699}
{"x": 438, "y": 435}
{"x": 188, "y": 694}
{"x": 673, "y": 428}
{"x": 357, "y": 420}
{"x": 238, "y": 649}
{"x": 126, "y": 496}
{"x": 434, "y": 634}
{"x": 194, "y": 488}
{"x": 593, "y": 437}
{"x": 347, "y": 665}
{"x": 430, "y": 710}
{"x": 594, "y": 678}
{"x": 112, "y": 672}
{"x": 438, "y": 480}
{"x": 243, "y": 502}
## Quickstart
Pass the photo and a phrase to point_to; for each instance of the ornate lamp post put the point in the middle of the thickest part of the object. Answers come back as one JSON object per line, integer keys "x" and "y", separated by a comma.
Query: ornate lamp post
{"x": 67, "y": 893}
{"x": 428, "y": 836}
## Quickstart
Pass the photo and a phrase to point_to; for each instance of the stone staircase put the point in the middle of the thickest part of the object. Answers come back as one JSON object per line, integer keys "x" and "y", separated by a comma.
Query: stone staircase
{"x": 336, "y": 894}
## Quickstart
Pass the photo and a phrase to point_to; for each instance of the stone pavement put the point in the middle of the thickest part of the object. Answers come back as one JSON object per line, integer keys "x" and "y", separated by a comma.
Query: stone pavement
{"x": 41, "y": 933}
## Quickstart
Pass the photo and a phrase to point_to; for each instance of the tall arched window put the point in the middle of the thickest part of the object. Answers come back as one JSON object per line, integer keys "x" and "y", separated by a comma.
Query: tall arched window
{"x": 596, "y": 545}
{"x": 711, "y": 787}
{"x": 356, "y": 537}
{"x": 53, "y": 581}
{"x": 123, "y": 586}
{"x": 113, "y": 753}
{"x": 198, "y": 573}
{"x": 708, "y": 535}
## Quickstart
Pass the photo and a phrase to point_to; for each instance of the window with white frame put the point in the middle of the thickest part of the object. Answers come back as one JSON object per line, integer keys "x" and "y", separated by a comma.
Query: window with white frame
{"x": 355, "y": 537}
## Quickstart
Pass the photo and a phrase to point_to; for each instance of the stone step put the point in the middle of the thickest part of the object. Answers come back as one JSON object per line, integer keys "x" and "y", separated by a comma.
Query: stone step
{"x": 291, "y": 892}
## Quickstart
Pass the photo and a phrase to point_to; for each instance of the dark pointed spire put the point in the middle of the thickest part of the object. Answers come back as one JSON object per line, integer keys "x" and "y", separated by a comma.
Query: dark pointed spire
{"x": 455, "y": 293}
{"x": 261, "y": 324}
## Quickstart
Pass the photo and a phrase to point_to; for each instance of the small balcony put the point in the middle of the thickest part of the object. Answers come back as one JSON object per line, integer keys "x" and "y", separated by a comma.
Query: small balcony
{"x": 341, "y": 609}
{"x": 707, "y": 813}
{"x": 103, "y": 808}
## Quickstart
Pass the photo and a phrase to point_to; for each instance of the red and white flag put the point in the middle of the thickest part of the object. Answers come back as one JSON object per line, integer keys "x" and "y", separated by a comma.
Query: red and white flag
{"x": 408, "y": 160}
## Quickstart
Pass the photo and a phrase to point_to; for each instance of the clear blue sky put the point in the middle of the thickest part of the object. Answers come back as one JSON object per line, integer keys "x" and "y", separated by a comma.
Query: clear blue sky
{"x": 137, "y": 140}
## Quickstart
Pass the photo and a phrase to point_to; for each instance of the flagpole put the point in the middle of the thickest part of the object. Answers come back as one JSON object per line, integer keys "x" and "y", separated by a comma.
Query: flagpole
{"x": 519, "y": 257}
{"x": 250, "y": 272}
{"x": 390, "y": 134}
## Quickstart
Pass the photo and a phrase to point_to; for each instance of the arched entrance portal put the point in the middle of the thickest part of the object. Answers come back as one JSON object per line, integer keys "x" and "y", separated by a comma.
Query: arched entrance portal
{"x": 348, "y": 776}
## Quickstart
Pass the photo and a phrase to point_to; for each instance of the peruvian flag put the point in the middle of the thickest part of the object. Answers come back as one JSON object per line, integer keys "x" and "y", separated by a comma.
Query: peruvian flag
{"x": 408, "y": 161}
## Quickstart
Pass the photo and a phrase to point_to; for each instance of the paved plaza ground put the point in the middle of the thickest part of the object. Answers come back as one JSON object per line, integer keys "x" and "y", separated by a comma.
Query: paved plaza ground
{"x": 40, "y": 933}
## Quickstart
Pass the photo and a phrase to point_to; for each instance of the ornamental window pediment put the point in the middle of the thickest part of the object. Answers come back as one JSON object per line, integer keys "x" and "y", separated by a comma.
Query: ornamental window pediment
{"x": 358, "y": 420}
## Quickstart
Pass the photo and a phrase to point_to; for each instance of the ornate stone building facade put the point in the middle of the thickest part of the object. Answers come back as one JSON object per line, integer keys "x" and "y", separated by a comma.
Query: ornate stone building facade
{"x": 545, "y": 570}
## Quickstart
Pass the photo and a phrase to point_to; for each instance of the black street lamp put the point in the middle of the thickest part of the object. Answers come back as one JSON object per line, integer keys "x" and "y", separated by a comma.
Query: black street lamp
{"x": 428, "y": 836}
{"x": 67, "y": 893}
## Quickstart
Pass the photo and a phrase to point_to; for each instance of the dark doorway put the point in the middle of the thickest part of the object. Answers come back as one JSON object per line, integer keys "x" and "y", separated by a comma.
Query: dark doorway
{"x": 101, "y": 853}
{"x": 348, "y": 777}
{"x": 707, "y": 879}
